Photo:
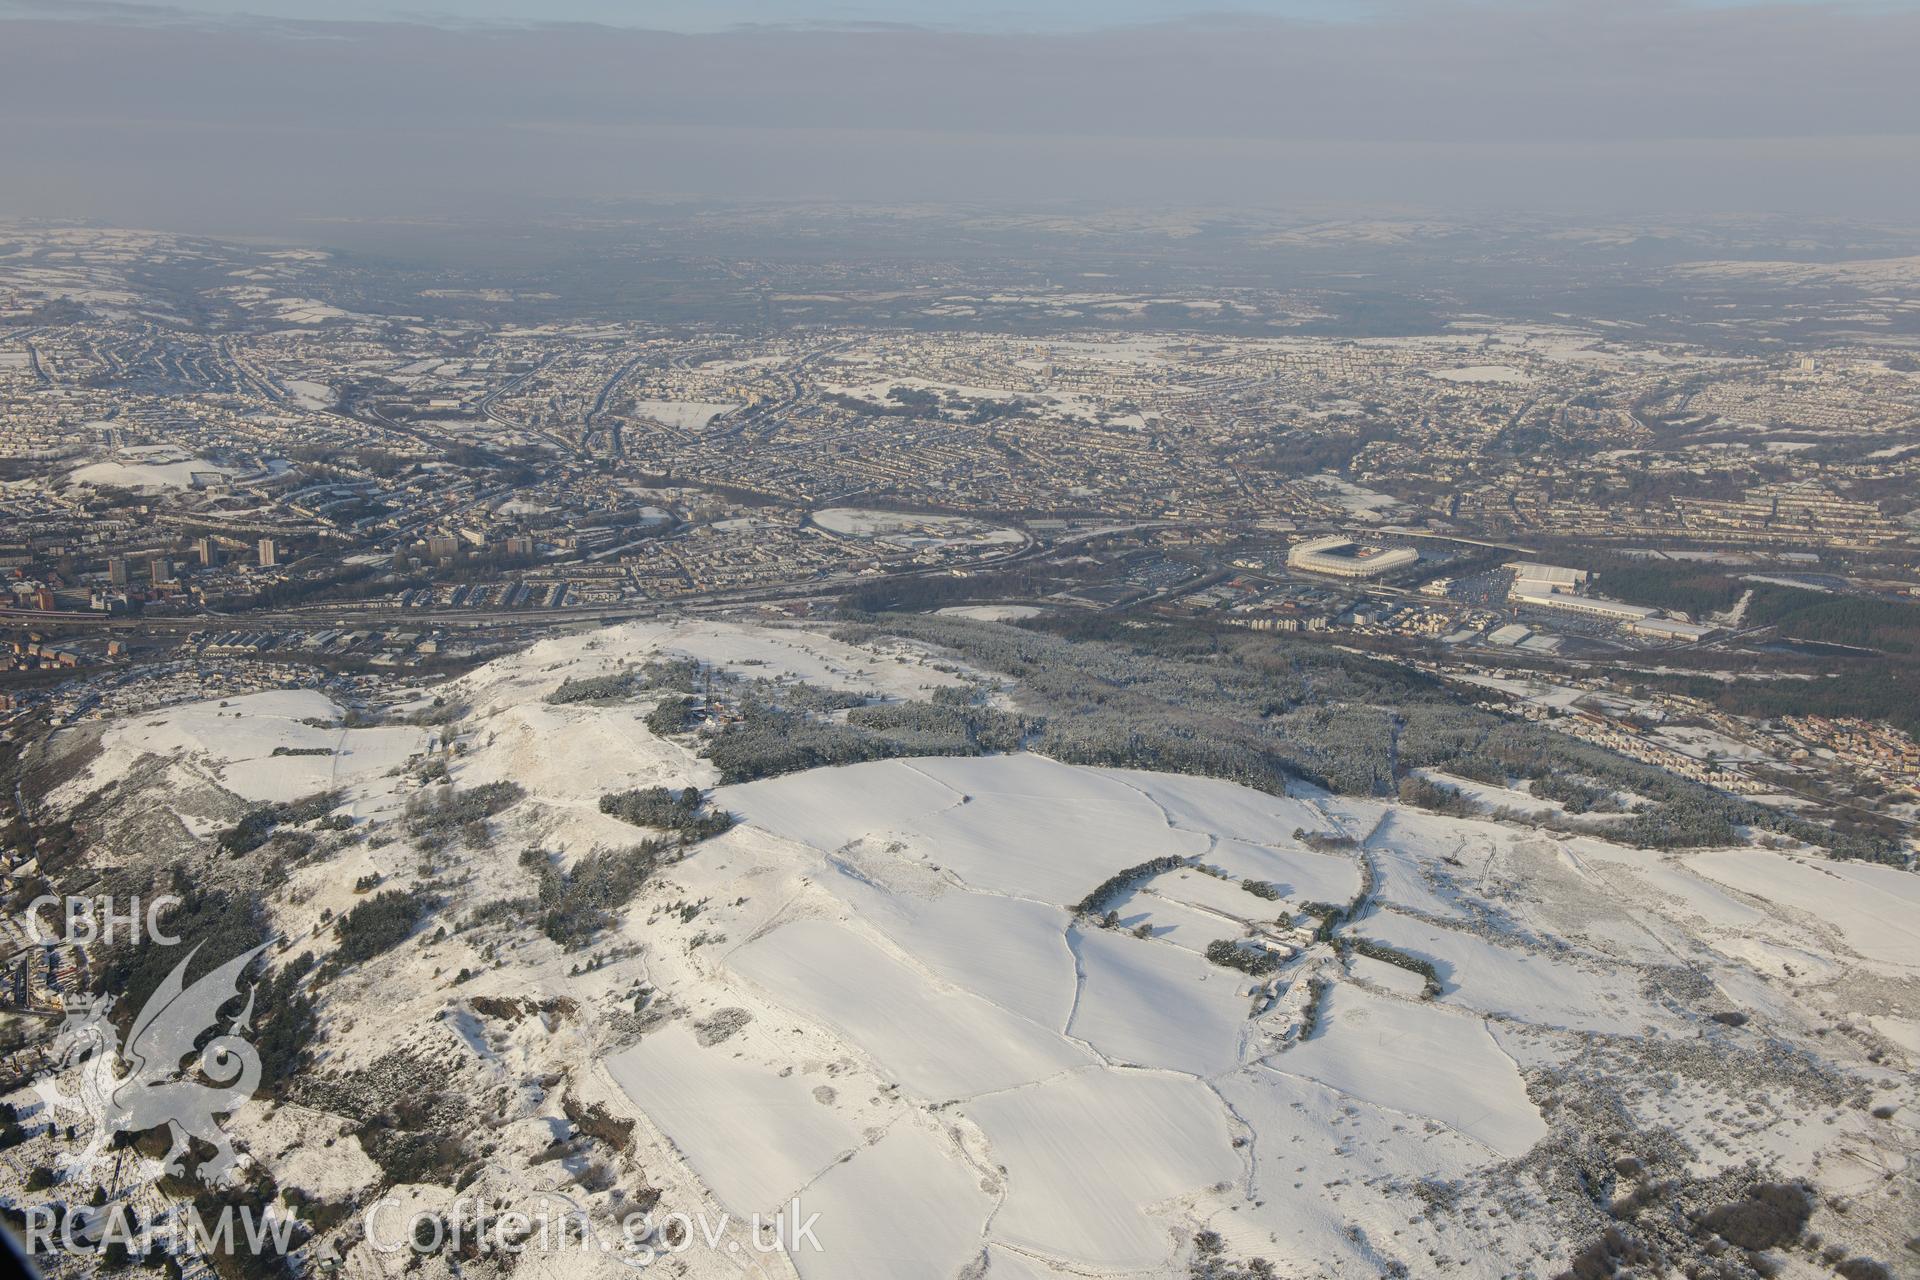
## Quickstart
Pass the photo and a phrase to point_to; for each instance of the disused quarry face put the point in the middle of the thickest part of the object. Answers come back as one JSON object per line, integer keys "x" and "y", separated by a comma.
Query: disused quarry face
{"x": 991, "y": 1009}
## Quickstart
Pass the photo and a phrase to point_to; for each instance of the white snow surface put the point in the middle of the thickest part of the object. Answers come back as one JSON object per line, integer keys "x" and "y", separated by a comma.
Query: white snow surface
{"x": 150, "y": 473}
{"x": 1875, "y": 910}
{"x": 1422, "y": 1061}
{"x": 770, "y": 1137}
{"x": 886, "y": 1008}
{"x": 685, "y": 415}
{"x": 1088, "y": 1153}
{"x": 231, "y": 742}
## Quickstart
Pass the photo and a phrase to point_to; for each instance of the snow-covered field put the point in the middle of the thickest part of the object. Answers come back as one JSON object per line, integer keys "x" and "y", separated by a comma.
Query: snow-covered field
{"x": 310, "y": 395}
{"x": 1496, "y": 373}
{"x": 769, "y": 1139}
{"x": 880, "y": 1004}
{"x": 1359, "y": 502}
{"x": 1533, "y": 987}
{"x": 1875, "y": 910}
{"x": 1087, "y": 1156}
{"x": 1421, "y": 1061}
{"x": 908, "y": 530}
{"x": 993, "y": 612}
{"x": 157, "y": 470}
{"x": 232, "y": 743}
{"x": 685, "y": 415}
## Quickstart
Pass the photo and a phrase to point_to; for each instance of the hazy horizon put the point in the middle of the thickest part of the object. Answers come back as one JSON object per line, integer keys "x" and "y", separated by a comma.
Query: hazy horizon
{"x": 142, "y": 114}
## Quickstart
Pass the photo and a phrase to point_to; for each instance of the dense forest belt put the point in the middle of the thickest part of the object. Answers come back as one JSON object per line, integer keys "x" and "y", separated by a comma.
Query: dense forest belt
{"x": 1822, "y": 617}
{"x": 1264, "y": 711}
{"x": 1892, "y": 626}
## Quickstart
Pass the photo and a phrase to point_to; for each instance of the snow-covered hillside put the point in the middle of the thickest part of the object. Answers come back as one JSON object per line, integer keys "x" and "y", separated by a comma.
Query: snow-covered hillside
{"x": 1344, "y": 1035}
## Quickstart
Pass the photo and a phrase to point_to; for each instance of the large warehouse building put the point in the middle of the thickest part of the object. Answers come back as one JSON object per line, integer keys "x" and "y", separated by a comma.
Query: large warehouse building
{"x": 1592, "y": 606}
{"x": 1558, "y": 577}
{"x": 1345, "y": 557}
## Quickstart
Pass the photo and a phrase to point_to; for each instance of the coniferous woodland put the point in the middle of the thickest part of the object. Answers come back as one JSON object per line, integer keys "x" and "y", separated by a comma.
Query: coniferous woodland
{"x": 1255, "y": 710}
{"x": 1264, "y": 711}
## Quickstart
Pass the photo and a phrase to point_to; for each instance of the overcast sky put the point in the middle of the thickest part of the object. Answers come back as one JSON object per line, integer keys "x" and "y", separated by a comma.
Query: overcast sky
{"x": 719, "y": 15}
{"x": 139, "y": 113}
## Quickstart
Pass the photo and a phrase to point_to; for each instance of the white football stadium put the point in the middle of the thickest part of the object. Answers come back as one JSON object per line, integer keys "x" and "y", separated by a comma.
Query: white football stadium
{"x": 1345, "y": 557}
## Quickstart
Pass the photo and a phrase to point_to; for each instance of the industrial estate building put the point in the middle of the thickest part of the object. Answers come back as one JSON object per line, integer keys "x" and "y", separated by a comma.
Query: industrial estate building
{"x": 1593, "y": 606}
{"x": 1549, "y": 586}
